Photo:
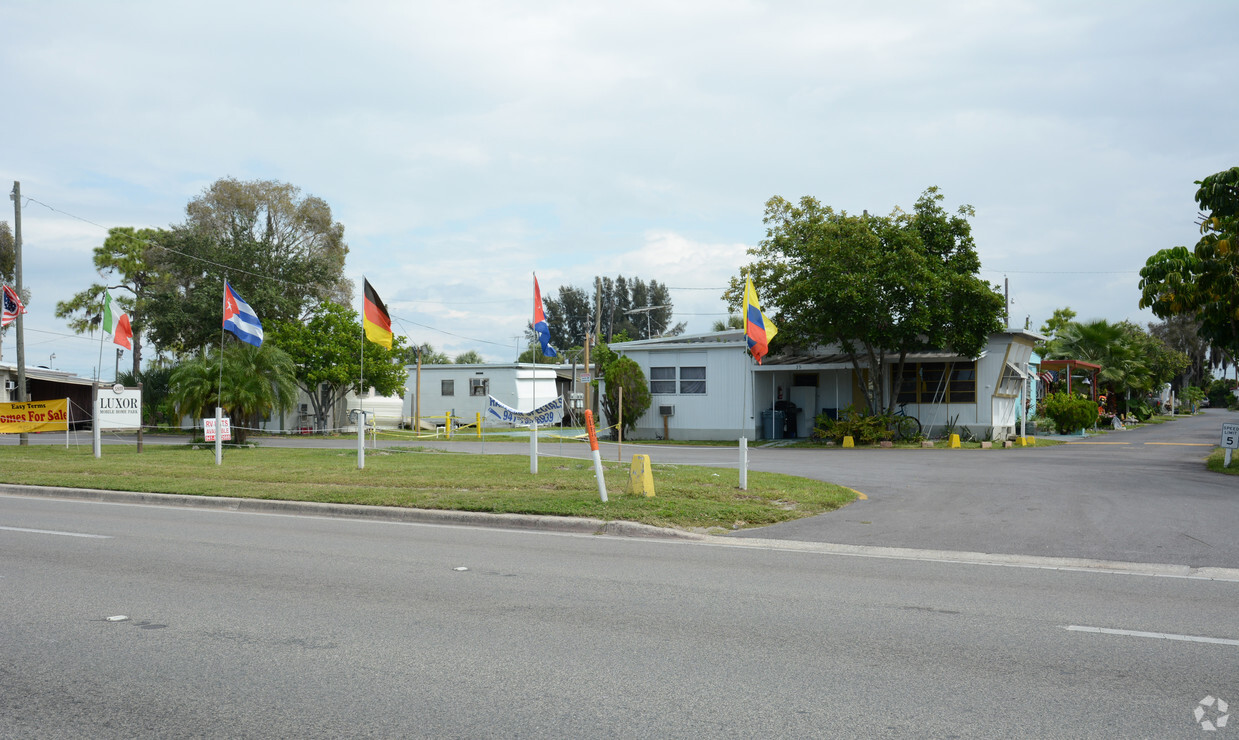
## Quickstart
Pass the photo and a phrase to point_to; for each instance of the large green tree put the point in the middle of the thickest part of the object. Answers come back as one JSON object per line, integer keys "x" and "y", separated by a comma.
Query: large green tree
{"x": 123, "y": 261}
{"x": 880, "y": 287}
{"x": 328, "y": 353}
{"x": 1203, "y": 282}
{"x": 280, "y": 250}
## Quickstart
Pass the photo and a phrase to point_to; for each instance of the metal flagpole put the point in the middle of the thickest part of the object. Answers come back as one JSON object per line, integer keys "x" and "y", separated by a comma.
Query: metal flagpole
{"x": 219, "y": 390}
{"x": 361, "y": 414}
{"x": 96, "y": 432}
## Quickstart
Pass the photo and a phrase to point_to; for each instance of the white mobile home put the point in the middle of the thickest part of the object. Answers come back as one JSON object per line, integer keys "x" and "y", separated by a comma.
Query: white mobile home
{"x": 462, "y": 390}
{"x": 706, "y": 386}
{"x": 383, "y": 412}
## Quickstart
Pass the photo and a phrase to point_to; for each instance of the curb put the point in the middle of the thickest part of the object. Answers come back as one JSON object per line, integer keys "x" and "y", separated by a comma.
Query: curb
{"x": 571, "y": 525}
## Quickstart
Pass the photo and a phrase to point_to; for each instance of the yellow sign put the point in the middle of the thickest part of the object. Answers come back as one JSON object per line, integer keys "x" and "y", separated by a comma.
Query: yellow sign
{"x": 640, "y": 477}
{"x": 34, "y": 416}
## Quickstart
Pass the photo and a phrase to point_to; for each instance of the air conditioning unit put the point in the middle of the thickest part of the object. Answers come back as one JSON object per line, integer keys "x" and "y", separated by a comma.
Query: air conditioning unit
{"x": 666, "y": 410}
{"x": 10, "y": 385}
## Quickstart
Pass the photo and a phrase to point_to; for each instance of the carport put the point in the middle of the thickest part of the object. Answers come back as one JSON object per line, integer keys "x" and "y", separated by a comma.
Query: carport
{"x": 1086, "y": 371}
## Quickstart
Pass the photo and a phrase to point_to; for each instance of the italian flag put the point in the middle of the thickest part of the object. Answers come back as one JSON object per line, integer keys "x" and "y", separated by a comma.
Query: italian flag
{"x": 116, "y": 323}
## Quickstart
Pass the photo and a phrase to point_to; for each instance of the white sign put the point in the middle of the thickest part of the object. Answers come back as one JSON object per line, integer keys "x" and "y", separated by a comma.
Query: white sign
{"x": 120, "y": 408}
{"x": 585, "y": 377}
{"x": 1230, "y": 436}
{"x": 208, "y": 427}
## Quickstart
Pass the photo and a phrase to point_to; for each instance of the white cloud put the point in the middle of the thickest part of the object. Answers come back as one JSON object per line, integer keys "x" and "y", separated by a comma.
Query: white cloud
{"x": 466, "y": 145}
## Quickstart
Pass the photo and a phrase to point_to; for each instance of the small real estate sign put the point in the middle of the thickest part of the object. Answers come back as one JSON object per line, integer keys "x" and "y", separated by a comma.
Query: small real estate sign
{"x": 34, "y": 416}
{"x": 208, "y": 428}
{"x": 120, "y": 408}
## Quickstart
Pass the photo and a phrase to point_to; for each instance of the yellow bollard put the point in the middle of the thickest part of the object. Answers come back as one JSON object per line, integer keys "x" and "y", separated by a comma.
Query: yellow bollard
{"x": 849, "y": 442}
{"x": 640, "y": 477}
{"x": 954, "y": 442}
{"x": 479, "y": 425}
{"x": 447, "y": 424}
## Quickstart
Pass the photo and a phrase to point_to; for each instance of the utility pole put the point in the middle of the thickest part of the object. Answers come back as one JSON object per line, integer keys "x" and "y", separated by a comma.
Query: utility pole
{"x": 1006, "y": 305}
{"x": 16, "y": 195}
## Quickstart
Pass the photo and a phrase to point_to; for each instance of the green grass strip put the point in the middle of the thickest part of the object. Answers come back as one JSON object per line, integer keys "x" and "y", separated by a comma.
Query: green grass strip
{"x": 688, "y": 497}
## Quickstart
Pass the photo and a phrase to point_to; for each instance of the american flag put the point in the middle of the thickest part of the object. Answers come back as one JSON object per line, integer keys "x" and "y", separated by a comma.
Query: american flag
{"x": 12, "y": 306}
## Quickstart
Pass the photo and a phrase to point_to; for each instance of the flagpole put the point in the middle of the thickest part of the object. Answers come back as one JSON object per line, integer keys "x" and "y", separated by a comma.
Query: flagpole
{"x": 96, "y": 432}
{"x": 219, "y": 389}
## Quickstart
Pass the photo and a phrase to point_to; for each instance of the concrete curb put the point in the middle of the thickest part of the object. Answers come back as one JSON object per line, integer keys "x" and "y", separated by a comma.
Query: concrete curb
{"x": 575, "y": 525}
{"x": 986, "y": 558}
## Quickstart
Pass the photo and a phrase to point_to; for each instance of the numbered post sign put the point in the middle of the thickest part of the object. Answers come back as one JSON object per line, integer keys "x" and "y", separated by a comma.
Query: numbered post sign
{"x": 1230, "y": 436}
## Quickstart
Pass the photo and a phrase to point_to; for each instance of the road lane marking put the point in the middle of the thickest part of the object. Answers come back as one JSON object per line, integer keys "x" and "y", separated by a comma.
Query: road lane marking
{"x": 1182, "y": 444}
{"x": 62, "y": 534}
{"x": 1154, "y": 635}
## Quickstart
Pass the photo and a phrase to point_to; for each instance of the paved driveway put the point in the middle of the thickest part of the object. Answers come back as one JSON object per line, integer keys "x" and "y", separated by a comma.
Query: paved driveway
{"x": 1142, "y": 495}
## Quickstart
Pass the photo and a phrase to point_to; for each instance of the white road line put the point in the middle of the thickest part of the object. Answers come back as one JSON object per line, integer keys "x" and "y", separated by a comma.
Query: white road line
{"x": 63, "y": 534}
{"x": 1154, "y": 635}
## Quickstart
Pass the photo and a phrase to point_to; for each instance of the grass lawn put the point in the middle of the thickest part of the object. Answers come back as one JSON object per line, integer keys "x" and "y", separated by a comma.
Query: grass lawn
{"x": 687, "y": 497}
{"x": 1215, "y": 461}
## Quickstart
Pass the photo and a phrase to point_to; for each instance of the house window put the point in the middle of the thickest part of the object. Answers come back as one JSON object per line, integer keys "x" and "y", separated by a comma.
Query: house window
{"x": 479, "y": 387}
{"x": 693, "y": 380}
{"x": 936, "y": 382}
{"x": 448, "y": 387}
{"x": 662, "y": 380}
{"x": 1011, "y": 382}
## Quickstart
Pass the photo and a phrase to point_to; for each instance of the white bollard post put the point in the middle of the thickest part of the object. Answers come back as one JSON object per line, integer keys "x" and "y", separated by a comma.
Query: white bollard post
{"x": 97, "y": 443}
{"x": 219, "y": 436}
{"x": 533, "y": 448}
{"x": 361, "y": 439}
{"x": 744, "y": 464}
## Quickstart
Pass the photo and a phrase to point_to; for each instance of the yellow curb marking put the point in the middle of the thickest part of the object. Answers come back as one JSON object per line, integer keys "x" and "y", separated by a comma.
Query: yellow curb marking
{"x": 859, "y": 495}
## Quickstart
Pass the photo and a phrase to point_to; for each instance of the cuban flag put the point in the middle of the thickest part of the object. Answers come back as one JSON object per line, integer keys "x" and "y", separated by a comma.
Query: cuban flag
{"x": 240, "y": 319}
{"x": 539, "y": 322}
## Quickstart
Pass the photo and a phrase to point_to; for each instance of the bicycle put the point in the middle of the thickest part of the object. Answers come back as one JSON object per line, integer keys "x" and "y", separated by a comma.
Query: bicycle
{"x": 902, "y": 426}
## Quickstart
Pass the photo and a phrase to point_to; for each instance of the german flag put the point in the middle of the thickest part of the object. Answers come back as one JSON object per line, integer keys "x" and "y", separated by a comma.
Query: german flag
{"x": 377, "y": 321}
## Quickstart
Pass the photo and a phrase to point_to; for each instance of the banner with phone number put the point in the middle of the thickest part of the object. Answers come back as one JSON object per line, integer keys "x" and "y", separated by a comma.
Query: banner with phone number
{"x": 549, "y": 413}
{"x": 34, "y": 416}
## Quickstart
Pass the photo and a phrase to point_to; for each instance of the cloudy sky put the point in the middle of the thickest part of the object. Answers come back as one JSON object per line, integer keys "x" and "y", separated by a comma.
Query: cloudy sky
{"x": 466, "y": 145}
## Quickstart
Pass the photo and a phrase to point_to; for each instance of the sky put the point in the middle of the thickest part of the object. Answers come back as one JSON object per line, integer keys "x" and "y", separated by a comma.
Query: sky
{"x": 466, "y": 146}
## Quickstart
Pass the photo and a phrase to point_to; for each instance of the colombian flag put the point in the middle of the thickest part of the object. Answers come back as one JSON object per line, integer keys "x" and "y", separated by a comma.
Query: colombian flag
{"x": 376, "y": 321}
{"x": 758, "y": 329}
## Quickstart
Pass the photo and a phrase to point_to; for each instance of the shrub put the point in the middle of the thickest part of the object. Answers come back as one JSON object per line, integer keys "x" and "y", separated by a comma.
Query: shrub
{"x": 862, "y": 428}
{"x": 1070, "y": 412}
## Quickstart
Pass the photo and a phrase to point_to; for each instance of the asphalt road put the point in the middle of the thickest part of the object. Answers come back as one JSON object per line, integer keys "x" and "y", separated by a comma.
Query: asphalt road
{"x": 248, "y": 625}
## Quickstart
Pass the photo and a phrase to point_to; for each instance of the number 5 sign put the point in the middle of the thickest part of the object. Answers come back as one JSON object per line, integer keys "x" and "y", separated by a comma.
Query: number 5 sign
{"x": 1230, "y": 436}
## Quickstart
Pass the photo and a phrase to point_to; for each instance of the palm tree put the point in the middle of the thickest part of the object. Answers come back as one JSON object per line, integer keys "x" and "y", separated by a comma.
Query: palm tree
{"x": 253, "y": 382}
